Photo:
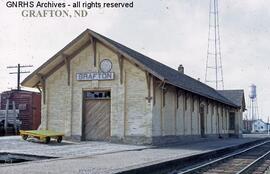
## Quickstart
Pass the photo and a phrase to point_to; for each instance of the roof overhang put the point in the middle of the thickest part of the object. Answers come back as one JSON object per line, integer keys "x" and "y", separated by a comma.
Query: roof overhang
{"x": 69, "y": 51}
{"x": 77, "y": 45}
{"x": 57, "y": 60}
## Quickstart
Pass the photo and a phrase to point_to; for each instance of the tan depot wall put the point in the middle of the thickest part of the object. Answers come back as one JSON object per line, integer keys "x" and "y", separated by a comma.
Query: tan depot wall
{"x": 239, "y": 124}
{"x": 169, "y": 120}
{"x": 131, "y": 114}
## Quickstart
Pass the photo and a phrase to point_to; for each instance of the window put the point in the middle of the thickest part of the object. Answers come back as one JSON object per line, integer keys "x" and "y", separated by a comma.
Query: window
{"x": 94, "y": 95}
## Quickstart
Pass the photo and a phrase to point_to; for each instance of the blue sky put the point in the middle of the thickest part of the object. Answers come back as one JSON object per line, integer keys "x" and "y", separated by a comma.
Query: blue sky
{"x": 171, "y": 31}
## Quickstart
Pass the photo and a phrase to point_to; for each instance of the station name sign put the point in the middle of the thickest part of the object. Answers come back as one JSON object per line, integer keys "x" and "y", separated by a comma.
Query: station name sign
{"x": 88, "y": 76}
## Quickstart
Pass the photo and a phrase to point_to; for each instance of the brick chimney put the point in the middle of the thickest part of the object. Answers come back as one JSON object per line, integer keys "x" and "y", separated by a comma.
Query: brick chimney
{"x": 181, "y": 68}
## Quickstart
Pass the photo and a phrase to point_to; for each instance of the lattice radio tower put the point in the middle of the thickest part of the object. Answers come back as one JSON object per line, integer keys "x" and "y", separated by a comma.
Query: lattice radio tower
{"x": 214, "y": 72}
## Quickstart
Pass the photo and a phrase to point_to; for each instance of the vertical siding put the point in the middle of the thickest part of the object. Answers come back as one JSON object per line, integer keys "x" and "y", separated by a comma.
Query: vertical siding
{"x": 238, "y": 122}
{"x": 180, "y": 116}
{"x": 170, "y": 120}
{"x": 188, "y": 117}
{"x": 169, "y": 112}
{"x": 195, "y": 117}
{"x": 157, "y": 114}
{"x": 209, "y": 119}
{"x": 219, "y": 120}
{"x": 227, "y": 120}
{"x": 215, "y": 119}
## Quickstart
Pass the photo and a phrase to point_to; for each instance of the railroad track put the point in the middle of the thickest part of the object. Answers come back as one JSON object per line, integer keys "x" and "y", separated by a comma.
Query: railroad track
{"x": 254, "y": 160}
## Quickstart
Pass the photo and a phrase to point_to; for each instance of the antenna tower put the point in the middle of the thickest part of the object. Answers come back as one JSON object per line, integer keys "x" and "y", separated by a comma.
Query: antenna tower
{"x": 214, "y": 72}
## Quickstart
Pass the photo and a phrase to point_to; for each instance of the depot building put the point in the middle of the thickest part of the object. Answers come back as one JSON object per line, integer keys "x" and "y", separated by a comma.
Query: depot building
{"x": 98, "y": 89}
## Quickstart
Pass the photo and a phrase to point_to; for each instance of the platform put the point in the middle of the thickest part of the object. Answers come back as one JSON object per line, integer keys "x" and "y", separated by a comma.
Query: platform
{"x": 109, "y": 158}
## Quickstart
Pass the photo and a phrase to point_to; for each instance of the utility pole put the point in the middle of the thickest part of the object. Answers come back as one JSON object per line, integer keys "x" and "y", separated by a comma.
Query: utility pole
{"x": 19, "y": 73}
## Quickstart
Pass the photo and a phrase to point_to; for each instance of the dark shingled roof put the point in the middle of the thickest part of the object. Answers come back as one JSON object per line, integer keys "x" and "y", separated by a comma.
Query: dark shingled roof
{"x": 172, "y": 76}
{"x": 235, "y": 96}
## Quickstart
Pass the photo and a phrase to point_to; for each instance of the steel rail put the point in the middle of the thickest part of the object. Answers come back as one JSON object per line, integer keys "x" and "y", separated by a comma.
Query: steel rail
{"x": 200, "y": 167}
{"x": 254, "y": 163}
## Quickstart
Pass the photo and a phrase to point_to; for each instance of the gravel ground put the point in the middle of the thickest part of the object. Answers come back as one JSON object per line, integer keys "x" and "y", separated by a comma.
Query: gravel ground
{"x": 101, "y": 157}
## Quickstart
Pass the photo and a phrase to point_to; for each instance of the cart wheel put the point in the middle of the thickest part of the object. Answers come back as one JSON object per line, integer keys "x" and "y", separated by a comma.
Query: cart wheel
{"x": 24, "y": 137}
{"x": 59, "y": 139}
{"x": 47, "y": 140}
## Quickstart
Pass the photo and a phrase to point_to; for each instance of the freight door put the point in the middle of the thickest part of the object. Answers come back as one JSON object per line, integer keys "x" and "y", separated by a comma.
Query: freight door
{"x": 97, "y": 111}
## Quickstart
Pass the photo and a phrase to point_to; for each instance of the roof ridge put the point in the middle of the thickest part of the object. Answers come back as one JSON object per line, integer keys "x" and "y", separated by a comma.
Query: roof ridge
{"x": 160, "y": 64}
{"x": 156, "y": 68}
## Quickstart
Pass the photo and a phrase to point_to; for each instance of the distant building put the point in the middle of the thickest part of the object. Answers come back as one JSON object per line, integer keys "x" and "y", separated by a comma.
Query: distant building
{"x": 247, "y": 126}
{"x": 29, "y": 105}
{"x": 259, "y": 126}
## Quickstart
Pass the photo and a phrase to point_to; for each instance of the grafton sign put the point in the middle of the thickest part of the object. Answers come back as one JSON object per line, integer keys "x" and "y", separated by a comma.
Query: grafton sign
{"x": 105, "y": 74}
{"x": 86, "y": 76}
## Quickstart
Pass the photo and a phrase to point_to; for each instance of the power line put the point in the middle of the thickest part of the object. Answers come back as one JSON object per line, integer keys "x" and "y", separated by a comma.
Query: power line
{"x": 19, "y": 72}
